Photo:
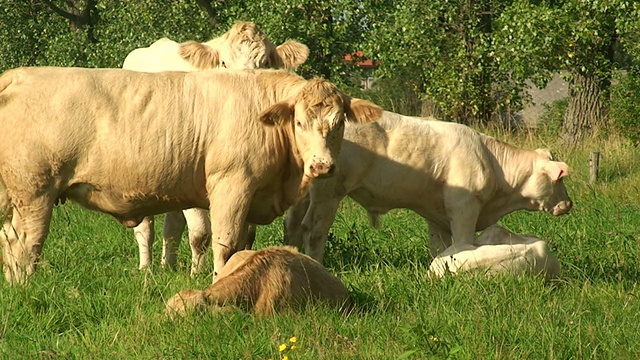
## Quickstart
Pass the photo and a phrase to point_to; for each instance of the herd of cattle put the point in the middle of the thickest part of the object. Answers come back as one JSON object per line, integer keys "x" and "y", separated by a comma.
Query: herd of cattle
{"x": 194, "y": 126}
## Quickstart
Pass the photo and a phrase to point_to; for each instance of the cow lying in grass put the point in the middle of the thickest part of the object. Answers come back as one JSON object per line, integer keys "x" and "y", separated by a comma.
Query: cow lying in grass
{"x": 499, "y": 251}
{"x": 459, "y": 180}
{"x": 263, "y": 282}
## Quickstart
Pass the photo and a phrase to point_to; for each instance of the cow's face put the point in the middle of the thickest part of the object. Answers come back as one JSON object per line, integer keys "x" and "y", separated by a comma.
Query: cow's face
{"x": 245, "y": 46}
{"x": 317, "y": 115}
{"x": 242, "y": 52}
{"x": 546, "y": 188}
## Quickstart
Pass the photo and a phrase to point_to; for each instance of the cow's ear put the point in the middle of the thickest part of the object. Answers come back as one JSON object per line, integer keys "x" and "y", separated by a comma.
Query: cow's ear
{"x": 361, "y": 111}
{"x": 556, "y": 170}
{"x": 291, "y": 54}
{"x": 199, "y": 55}
{"x": 277, "y": 114}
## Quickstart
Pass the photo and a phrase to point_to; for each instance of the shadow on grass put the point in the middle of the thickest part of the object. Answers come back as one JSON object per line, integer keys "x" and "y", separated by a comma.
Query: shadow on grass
{"x": 355, "y": 250}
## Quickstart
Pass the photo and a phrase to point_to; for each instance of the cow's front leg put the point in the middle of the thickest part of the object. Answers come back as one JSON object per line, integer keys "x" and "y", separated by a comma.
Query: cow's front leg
{"x": 316, "y": 225}
{"x": 439, "y": 239}
{"x": 144, "y": 235}
{"x": 293, "y": 232}
{"x": 229, "y": 200}
{"x": 463, "y": 217}
{"x": 23, "y": 237}
{"x": 199, "y": 237}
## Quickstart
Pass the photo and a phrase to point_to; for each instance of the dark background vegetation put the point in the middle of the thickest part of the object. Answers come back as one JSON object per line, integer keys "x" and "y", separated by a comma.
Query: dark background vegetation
{"x": 460, "y": 60}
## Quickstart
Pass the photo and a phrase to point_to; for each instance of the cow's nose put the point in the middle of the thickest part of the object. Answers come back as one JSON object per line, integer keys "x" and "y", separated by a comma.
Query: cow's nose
{"x": 562, "y": 207}
{"x": 322, "y": 169}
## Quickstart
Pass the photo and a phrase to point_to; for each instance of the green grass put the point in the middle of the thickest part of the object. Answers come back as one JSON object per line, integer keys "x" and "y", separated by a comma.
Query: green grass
{"x": 88, "y": 300}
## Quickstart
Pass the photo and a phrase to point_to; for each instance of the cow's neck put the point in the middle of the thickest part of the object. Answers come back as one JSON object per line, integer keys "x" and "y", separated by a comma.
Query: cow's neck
{"x": 294, "y": 183}
{"x": 298, "y": 183}
{"x": 513, "y": 167}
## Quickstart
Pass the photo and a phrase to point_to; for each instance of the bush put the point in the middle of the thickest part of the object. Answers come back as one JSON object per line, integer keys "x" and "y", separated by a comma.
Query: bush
{"x": 551, "y": 119}
{"x": 625, "y": 106}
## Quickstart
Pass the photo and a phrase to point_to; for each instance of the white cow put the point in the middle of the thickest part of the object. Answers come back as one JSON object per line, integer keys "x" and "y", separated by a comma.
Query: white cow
{"x": 499, "y": 251}
{"x": 244, "y": 46}
{"x": 130, "y": 144}
{"x": 458, "y": 179}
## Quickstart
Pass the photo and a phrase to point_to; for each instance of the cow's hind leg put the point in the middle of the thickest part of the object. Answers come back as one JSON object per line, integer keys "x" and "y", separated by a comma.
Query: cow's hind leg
{"x": 199, "y": 237}
{"x": 23, "y": 237}
{"x": 145, "y": 236}
{"x": 174, "y": 224}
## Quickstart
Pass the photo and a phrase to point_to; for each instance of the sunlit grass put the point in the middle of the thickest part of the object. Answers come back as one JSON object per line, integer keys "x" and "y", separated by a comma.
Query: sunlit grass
{"x": 88, "y": 300}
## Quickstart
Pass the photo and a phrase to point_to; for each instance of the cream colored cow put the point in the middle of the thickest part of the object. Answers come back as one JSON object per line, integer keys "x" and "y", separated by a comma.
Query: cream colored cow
{"x": 130, "y": 144}
{"x": 263, "y": 282}
{"x": 499, "y": 251}
{"x": 244, "y": 46}
{"x": 458, "y": 179}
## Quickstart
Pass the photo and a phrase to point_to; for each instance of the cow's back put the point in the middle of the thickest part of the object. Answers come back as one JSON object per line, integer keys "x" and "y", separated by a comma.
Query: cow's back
{"x": 126, "y": 137}
{"x": 417, "y": 157}
{"x": 162, "y": 55}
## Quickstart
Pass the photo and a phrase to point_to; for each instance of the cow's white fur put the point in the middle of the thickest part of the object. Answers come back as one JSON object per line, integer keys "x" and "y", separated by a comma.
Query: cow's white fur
{"x": 458, "y": 179}
{"x": 244, "y": 46}
{"x": 132, "y": 144}
{"x": 498, "y": 251}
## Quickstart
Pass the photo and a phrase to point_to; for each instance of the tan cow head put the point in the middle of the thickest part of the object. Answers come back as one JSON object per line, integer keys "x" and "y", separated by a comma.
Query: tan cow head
{"x": 545, "y": 187}
{"x": 244, "y": 46}
{"x": 317, "y": 114}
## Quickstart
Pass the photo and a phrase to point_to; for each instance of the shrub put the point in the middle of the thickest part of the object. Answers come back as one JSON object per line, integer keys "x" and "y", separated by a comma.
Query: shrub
{"x": 551, "y": 119}
{"x": 625, "y": 106}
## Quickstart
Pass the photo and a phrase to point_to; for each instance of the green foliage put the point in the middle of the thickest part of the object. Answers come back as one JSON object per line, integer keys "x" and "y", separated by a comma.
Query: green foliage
{"x": 448, "y": 43}
{"x": 551, "y": 119}
{"x": 625, "y": 107}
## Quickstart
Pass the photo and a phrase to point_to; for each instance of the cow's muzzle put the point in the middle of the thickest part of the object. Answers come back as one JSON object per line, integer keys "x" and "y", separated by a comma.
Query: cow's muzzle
{"x": 562, "y": 207}
{"x": 321, "y": 169}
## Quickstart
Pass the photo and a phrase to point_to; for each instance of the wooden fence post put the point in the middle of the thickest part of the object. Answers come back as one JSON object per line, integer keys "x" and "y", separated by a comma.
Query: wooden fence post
{"x": 594, "y": 166}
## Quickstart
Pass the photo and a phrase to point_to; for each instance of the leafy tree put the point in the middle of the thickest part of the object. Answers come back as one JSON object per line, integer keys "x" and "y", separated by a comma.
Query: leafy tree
{"x": 449, "y": 46}
{"x": 577, "y": 36}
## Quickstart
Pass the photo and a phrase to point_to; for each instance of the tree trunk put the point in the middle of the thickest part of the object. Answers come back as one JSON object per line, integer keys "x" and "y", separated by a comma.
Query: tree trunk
{"x": 586, "y": 109}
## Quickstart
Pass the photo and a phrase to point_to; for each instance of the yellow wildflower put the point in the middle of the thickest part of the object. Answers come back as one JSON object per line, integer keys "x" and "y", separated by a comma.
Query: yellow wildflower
{"x": 285, "y": 357}
{"x": 293, "y": 339}
{"x": 282, "y": 347}
{"x": 293, "y": 347}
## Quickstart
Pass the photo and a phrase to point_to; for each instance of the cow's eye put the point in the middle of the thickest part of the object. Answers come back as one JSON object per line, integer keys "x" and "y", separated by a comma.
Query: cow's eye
{"x": 223, "y": 65}
{"x": 299, "y": 123}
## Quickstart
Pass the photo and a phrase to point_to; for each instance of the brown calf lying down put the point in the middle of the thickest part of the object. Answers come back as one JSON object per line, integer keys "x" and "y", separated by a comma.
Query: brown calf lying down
{"x": 499, "y": 251}
{"x": 264, "y": 281}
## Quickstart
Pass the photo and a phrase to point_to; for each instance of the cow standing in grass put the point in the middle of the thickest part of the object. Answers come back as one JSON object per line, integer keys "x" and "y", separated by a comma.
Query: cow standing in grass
{"x": 131, "y": 144}
{"x": 244, "y": 46}
{"x": 458, "y": 179}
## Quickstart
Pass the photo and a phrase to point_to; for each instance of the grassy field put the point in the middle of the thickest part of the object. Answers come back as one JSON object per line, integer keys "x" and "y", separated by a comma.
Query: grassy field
{"x": 89, "y": 301}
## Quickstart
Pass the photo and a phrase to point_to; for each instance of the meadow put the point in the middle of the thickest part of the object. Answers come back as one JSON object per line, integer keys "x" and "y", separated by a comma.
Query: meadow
{"x": 88, "y": 300}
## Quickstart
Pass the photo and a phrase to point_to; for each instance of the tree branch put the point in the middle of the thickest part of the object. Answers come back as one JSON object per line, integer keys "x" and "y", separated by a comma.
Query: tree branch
{"x": 75, "y": 18}
{"x": 206, "y": 5}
